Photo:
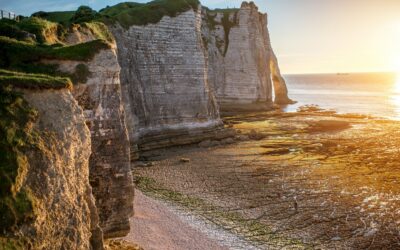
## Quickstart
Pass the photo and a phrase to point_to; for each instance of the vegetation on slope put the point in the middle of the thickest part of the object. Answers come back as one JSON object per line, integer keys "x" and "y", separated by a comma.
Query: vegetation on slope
{"x": 100, "y": 30}
{"x": 128, "y": 14}
{"x": 25, "y": 57}
{"x": 16, "y": 137}
{"x": 62, "y": 17}
{"x": 45, "y": 31}
{"x": 9, "y": 28}
{"x": 13, "y": 51}
{"x": 33, "y": 81}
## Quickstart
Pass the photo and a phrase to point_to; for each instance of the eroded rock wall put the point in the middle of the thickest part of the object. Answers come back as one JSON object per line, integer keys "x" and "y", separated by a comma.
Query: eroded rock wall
{"x": 280, "y": 88}
{"x": 57, "y": 176}
{"x": 99, "y": 94}
{"x": 164, "y": 79}
{"x": 110, "y": 174}
{"x": 241, "y": 60}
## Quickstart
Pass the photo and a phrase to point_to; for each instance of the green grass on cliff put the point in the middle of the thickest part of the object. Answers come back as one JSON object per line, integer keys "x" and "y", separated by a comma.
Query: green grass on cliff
{"x": 62, "y": 17}
{"x": 128, "y": 14}
{"x": 9, "y": 28}
{"x": 100, "y": 30}
{"x": 16, "y": 137}
{"x": 45, "y": 31}
{"x": 33, "y": 81}
{"x": 14, "y": 52}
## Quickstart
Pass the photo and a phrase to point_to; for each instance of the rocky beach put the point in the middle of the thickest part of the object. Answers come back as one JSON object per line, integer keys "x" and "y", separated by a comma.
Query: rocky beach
{"x": 288, "y": 180}
{"x": 162, "y": 125}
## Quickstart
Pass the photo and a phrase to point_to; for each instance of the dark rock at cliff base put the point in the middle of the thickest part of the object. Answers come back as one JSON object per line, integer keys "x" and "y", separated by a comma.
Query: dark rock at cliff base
{"x": 254, "y": 135}
{"x": 328, "y": 125}
{"x": 205, "y": 144}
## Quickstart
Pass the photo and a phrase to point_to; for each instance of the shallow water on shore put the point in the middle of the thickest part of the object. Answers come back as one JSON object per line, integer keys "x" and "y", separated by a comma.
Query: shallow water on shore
{"x": 376, "y": 94}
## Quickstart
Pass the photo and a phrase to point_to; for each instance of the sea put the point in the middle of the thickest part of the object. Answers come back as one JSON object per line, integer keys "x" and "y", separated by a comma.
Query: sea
{"x": 376, "y": 94}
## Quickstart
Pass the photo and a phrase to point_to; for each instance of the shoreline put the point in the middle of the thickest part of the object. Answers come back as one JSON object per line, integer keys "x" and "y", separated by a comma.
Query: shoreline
{"x": 300, "y": 176}
{"x": 191, "y": 231}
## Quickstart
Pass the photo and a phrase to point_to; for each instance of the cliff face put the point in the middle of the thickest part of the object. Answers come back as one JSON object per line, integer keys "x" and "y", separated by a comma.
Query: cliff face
{"x": 99, "y": 94}
{"x": 242, "y": 65}
{"x": 164, "y": 80}
{"x": 110, "y": 174}
{"x": 57, "y": 176}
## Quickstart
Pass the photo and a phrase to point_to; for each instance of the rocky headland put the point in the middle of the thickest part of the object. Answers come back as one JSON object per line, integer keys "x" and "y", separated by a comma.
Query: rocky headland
{"x": 84, "y": 93}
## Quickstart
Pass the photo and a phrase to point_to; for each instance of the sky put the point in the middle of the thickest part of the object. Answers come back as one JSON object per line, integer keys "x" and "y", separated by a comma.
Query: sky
{"x": 308, "y": 36}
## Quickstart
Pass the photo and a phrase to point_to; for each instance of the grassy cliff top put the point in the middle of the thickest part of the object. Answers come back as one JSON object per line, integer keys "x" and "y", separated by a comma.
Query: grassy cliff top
{"x": 13, "y": 52}
{"x": 128, "y": 14}
{"x": 125, "y": 13}
{"x": 33, "y": 81}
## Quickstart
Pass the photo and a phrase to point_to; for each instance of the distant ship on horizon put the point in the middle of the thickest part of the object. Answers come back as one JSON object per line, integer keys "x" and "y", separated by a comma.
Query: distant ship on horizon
{"x": 342, "y": 74}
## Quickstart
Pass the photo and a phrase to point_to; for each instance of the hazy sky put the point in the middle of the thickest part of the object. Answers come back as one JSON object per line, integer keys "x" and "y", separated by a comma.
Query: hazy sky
{"x": 307, "y": 35}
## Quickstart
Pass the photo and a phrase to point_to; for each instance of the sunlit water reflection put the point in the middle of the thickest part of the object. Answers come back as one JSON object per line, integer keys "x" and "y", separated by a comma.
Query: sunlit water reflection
{"x": 377, "y": 94}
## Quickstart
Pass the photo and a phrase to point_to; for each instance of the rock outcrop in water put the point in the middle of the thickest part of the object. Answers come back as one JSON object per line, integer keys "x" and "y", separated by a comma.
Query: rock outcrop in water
{"x": 242, "y": 65}
{"x": 56, "y": 178}
{"x": 164, "y": 80}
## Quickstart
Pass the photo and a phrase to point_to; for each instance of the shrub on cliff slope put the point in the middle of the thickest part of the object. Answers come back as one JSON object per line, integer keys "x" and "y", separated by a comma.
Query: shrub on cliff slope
{"x": 62, "y": 17}
{"x": 84, "y": 14}
{"x": 45, "y": 31}
{"x": 128, "y": 14}
{"x": 9, "y": 28}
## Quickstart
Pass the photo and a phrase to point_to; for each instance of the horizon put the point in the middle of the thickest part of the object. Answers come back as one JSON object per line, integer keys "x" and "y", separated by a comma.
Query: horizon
{"x": 356, "y": 36}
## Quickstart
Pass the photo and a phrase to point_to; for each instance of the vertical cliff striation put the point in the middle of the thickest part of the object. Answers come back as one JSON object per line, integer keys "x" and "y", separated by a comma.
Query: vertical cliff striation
{"x": 164, "y": 79}
{"x": 98, "y": 92}
{"x": 56, "y": 210}
{"x": 242, "y": 65}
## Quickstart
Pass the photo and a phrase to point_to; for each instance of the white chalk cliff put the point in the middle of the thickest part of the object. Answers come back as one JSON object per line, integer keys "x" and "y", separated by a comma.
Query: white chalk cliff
{"x": 164, "y": 82}
{"x": 243, "y": 69}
